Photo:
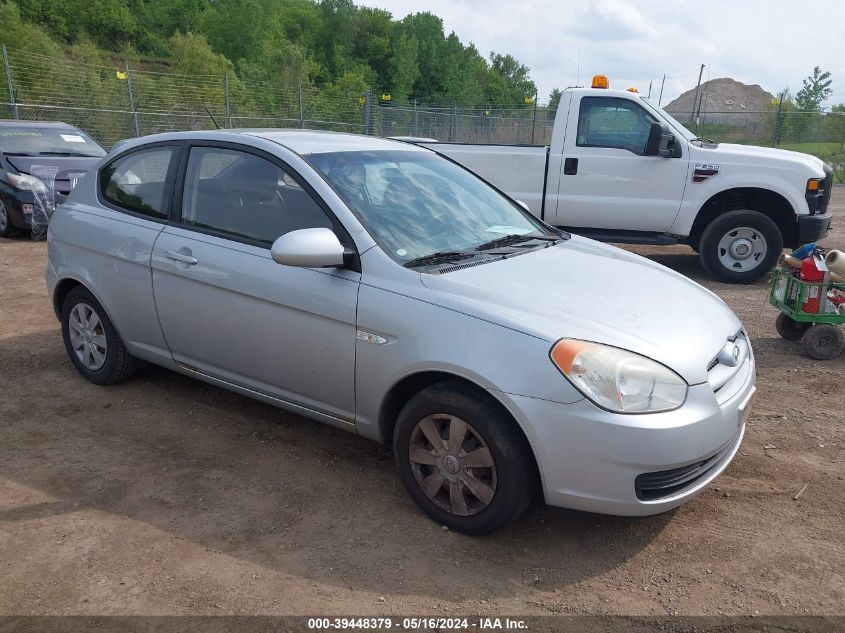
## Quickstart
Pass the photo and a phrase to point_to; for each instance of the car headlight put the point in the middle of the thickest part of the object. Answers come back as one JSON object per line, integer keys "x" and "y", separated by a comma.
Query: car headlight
{"x": 25, "y": 182}
{"x": 617, "y": 379}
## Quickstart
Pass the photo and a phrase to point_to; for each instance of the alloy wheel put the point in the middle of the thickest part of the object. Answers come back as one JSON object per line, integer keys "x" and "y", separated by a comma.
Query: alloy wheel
{"x": 452, "y": 464}
{"x": 4, "y": 217}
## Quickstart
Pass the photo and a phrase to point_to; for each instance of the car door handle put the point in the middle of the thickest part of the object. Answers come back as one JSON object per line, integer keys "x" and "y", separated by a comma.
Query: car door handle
{"x": 570, "y": 166}
{"x": 180, "y": 257}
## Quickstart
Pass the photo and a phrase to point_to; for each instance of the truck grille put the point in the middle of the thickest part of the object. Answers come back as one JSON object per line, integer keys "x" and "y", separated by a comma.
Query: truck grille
{"x": 666, "y": 483}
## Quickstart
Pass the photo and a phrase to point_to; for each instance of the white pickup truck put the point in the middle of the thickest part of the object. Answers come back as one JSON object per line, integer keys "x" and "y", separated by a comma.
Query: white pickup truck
{"x": 620, "y": 169}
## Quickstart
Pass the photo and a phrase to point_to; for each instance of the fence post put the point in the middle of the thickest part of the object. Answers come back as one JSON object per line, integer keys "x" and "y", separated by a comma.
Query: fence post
{"x": 776, "y": 131}
{"x": 132, "y": 102}
{"x": 301, "y": 107}
{"x": 534, "y": 117}
{"x": 416, "y": 118}
{"x": 11, "y": 84}
{"x": 228, "y": 103}
{"x": 367, "y": 120}
{"x": 453, "y": 122}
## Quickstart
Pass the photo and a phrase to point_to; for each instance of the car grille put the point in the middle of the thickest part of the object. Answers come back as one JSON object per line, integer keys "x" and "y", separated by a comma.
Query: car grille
{"x": 666, "y": 483}
{"x": 727, "y": 379}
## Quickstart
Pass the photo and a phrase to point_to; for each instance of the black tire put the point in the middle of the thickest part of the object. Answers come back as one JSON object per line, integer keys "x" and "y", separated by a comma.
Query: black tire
{"x": 758, "y": 264}
{"x": 823, "y": 341}
{"x": 514, "y": 477}
{"x": 118, "y": 364}
{"x": 6, "y": 228}
{"x": 789, "y": 328}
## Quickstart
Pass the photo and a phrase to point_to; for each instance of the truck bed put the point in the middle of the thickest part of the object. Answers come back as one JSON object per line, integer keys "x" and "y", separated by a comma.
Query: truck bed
{"x": 519, "y": 170}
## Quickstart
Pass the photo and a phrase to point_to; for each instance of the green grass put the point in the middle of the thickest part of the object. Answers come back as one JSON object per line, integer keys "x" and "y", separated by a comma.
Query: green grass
{"x": 819, "y": 148}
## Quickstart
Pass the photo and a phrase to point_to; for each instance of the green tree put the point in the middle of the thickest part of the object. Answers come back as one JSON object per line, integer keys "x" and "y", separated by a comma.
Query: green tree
{"x": 554, "y": 99}
{"x": 816, "y": 89}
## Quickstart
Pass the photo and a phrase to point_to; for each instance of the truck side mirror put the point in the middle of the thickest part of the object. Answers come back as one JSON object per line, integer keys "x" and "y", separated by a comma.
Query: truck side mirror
{"x": 661, "y": 141}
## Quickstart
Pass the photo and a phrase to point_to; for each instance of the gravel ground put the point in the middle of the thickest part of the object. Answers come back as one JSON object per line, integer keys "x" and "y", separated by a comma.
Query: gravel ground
{"x": 164, "y": 495}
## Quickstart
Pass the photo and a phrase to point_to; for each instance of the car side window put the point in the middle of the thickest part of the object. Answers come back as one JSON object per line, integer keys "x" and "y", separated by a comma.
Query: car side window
{"x": 245, "y": 196}
{"x": 613, "y": 122}
{"x": 137, "y": 182}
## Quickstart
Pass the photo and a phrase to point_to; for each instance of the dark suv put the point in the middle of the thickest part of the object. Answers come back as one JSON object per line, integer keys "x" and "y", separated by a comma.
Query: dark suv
{"x": 39, "y": 160}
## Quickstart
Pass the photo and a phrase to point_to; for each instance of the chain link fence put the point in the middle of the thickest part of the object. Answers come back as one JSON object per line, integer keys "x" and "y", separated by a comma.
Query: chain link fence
{"x": 113, "y": 102}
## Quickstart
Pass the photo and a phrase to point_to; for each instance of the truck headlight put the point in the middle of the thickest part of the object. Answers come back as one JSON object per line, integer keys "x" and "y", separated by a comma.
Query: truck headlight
{"x": 25, "y": 182}
{"x": 617, "y": 379}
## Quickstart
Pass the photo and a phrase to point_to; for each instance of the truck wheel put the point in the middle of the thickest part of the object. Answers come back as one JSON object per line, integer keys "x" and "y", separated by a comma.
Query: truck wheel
{"x": 823, "y": 341}
{"x": 740, "y": 247}
{"x": 789, "y": 328}
{"x": 463, "y": 460}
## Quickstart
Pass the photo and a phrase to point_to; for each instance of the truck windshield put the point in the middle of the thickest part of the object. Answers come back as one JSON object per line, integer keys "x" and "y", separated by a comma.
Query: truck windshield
{"x": 30, "y": 140}
{"x": 670, "y": 120}
{"x": 416, "y": 204}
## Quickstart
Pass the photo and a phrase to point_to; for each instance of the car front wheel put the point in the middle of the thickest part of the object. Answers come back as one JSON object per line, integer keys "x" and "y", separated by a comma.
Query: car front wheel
{"x": 740, "y": 247}
{"x": 92, "y": 343}
{"x": 463, "y": 459}
{"x": 6, "y": 228}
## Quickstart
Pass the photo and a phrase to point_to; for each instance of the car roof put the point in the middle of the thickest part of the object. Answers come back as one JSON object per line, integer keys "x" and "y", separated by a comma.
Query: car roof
{"x": 321, "y": 142}
{"x": 301, "y": 142}
{"x": 8, "y": 123}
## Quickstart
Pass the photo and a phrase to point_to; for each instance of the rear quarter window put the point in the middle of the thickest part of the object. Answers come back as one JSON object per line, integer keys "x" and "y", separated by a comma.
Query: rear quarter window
{"x": 137, "y": 182}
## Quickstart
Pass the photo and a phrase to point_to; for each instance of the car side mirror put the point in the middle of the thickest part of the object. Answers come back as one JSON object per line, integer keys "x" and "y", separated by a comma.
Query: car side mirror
{"x": 661, "y": 141}
{"x": 310, "y": 248}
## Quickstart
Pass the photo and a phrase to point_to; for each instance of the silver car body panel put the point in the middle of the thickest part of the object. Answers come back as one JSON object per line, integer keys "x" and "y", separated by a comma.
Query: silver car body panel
{"x": 332, "y": 343}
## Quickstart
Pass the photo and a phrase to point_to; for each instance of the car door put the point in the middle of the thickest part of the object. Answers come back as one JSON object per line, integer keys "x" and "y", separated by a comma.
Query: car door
{"x": 227, "y": 309}
{"x": 606, "y": 182}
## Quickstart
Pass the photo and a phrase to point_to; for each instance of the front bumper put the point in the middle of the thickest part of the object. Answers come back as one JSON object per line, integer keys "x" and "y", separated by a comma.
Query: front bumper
{"x": 590, "y": 459}
{"x": 812, "y": 228}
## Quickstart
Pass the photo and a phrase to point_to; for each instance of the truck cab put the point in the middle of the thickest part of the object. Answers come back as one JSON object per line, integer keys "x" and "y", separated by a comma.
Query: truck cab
{"x": 621, "y": 169}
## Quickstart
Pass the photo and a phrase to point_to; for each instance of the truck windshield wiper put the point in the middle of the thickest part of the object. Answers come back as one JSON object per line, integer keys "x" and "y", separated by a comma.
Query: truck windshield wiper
{"x": 437, "y": 258}
{"x": 514, "y": 238}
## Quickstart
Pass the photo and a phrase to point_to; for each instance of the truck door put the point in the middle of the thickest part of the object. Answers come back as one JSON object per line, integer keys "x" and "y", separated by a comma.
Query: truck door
{"x": 606, "y": 182}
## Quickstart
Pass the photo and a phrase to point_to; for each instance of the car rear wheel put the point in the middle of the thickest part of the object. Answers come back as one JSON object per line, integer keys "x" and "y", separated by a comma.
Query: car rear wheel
{"x": 92, "y": 343}
{"x": 740, "y": 247}
{"x": 463, "y": 459}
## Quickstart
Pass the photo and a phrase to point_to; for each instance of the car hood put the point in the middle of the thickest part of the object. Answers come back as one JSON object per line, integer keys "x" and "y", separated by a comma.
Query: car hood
{"x": 742, "y": 153}
{"x": 69, "y": 169}
{"x": 586, "y": 290}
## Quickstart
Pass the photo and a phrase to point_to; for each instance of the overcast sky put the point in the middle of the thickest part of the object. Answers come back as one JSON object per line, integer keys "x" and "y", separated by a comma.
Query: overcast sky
{"x": 774, "y": 43}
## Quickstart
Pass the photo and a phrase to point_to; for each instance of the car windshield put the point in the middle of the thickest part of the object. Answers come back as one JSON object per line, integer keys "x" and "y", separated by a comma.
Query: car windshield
{"x": 417, "y": 204}
{"x": 41, "y": 141}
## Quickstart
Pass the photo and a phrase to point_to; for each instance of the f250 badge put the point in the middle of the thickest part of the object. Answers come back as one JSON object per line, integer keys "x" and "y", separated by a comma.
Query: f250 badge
{"x": 704, "y": 171}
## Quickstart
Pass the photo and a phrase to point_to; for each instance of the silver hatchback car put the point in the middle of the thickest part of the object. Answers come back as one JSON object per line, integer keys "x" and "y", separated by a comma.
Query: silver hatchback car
{"x": 378, "y": 287}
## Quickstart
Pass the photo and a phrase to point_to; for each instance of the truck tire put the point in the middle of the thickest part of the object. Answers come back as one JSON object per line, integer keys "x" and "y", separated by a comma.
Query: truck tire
{"x": 740, "y": 247}
{"x": 463, "y": 460}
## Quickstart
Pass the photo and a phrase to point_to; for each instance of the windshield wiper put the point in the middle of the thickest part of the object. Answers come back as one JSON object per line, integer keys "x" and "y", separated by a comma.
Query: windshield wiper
{"x": 437, "y": 258}
{"x": 79, "y": 154}
{"x": 514, "y": 238}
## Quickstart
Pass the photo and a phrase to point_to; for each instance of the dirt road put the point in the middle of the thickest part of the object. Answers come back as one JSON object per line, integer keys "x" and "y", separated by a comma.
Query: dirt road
{"x": 163, "y": 495}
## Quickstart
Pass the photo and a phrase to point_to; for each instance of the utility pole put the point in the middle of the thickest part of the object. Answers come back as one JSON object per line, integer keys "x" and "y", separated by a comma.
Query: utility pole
{"x": 660, "y": 98}
{"x": 695, "y": 99}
